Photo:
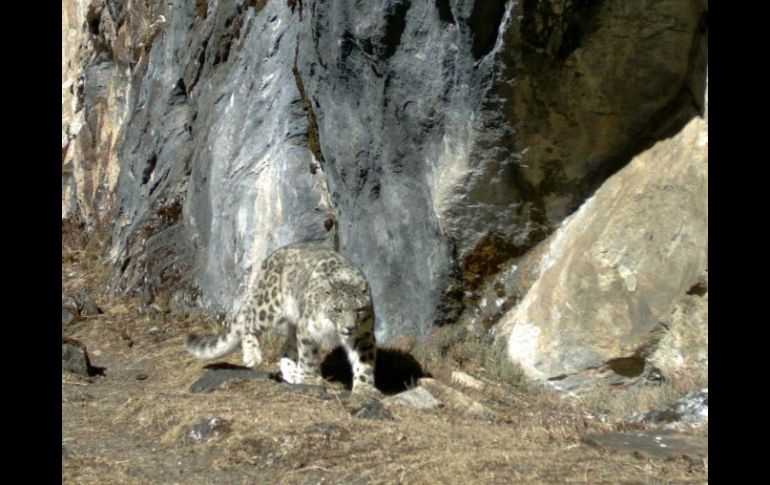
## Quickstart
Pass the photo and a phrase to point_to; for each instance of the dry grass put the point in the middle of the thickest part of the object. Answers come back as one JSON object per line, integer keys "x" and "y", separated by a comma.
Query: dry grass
{"x": 453, "y": 347}
{"x": 119, "y": 429}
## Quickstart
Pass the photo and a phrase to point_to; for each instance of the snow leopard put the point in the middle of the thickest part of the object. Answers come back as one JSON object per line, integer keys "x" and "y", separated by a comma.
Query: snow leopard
{"x": 319, "y": 300}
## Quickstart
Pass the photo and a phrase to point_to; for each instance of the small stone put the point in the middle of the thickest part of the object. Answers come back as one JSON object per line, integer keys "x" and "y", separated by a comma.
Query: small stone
{"x": 371, "y": 409}
{"x": 419, "y": 398}
{"x": 74, "y": 357}
{"x": 467, "y": 380}
{"x": 142, "y": 377}
{"x": 456, "y": 399}
{"x": 208, "y": 428}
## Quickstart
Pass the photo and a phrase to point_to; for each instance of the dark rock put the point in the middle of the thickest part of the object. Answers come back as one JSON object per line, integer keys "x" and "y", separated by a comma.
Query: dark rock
{"x": 654, "y": 444}
{"x": 214, "y": 378}
{"x": 207, "y": 429}
{"x": 74, "y": 358}
{"x": 142, "y": 377}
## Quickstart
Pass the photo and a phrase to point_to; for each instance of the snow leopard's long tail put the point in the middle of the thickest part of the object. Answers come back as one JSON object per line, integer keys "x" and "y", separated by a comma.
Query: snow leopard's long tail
{"x": 214, "y": 347}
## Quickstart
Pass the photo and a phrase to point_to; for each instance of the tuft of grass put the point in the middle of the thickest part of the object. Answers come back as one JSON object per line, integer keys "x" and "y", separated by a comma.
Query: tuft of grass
{"x": 455, "y": 347}
{"x": 500, "y": 367}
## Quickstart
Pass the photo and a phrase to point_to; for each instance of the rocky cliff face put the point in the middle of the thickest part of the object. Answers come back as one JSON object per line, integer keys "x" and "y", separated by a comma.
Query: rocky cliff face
{"x": 434, "y": 142}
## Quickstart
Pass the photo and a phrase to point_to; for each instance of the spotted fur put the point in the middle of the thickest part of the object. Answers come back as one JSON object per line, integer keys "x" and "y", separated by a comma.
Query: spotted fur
{"x": 316, "y": 298}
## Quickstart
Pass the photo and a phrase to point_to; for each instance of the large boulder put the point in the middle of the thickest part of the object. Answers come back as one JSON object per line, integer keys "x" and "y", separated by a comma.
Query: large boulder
{"x": 623, "y": 283}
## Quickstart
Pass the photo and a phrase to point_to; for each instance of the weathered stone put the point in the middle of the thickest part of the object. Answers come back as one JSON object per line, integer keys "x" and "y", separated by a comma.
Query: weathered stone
{"x": 430, "y": 141}
{"x": 214, "y": 378}
{"x": 417, "y": 397}
{"x": 207, "y": 429}
{"x": 455, "y": 399}
{"x": 651, "y": 444}
{"x": 614, "y": 272}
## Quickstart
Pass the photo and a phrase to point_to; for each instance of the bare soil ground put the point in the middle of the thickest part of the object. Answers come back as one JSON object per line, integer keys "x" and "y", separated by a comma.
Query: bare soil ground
{"x": 131, "y": 425}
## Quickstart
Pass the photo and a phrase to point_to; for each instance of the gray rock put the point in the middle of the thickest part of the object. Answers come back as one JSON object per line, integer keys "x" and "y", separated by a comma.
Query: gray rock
{"x": 214, "y": 378}
{"x": 431, "y": 141}
{"x": 651, "y": 444}
{"x": 207, "y": 429}
{"x": 418, "y": 397}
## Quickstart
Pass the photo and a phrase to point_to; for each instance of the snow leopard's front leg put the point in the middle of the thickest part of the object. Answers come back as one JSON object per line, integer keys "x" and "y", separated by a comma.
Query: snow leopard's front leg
{"x": 288, "y": 363}
{"x": 309, "y": 358}
{"x": 306, "y": 369}
{"x": 252, "y": 354}
{"x": 361, "y": 349}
